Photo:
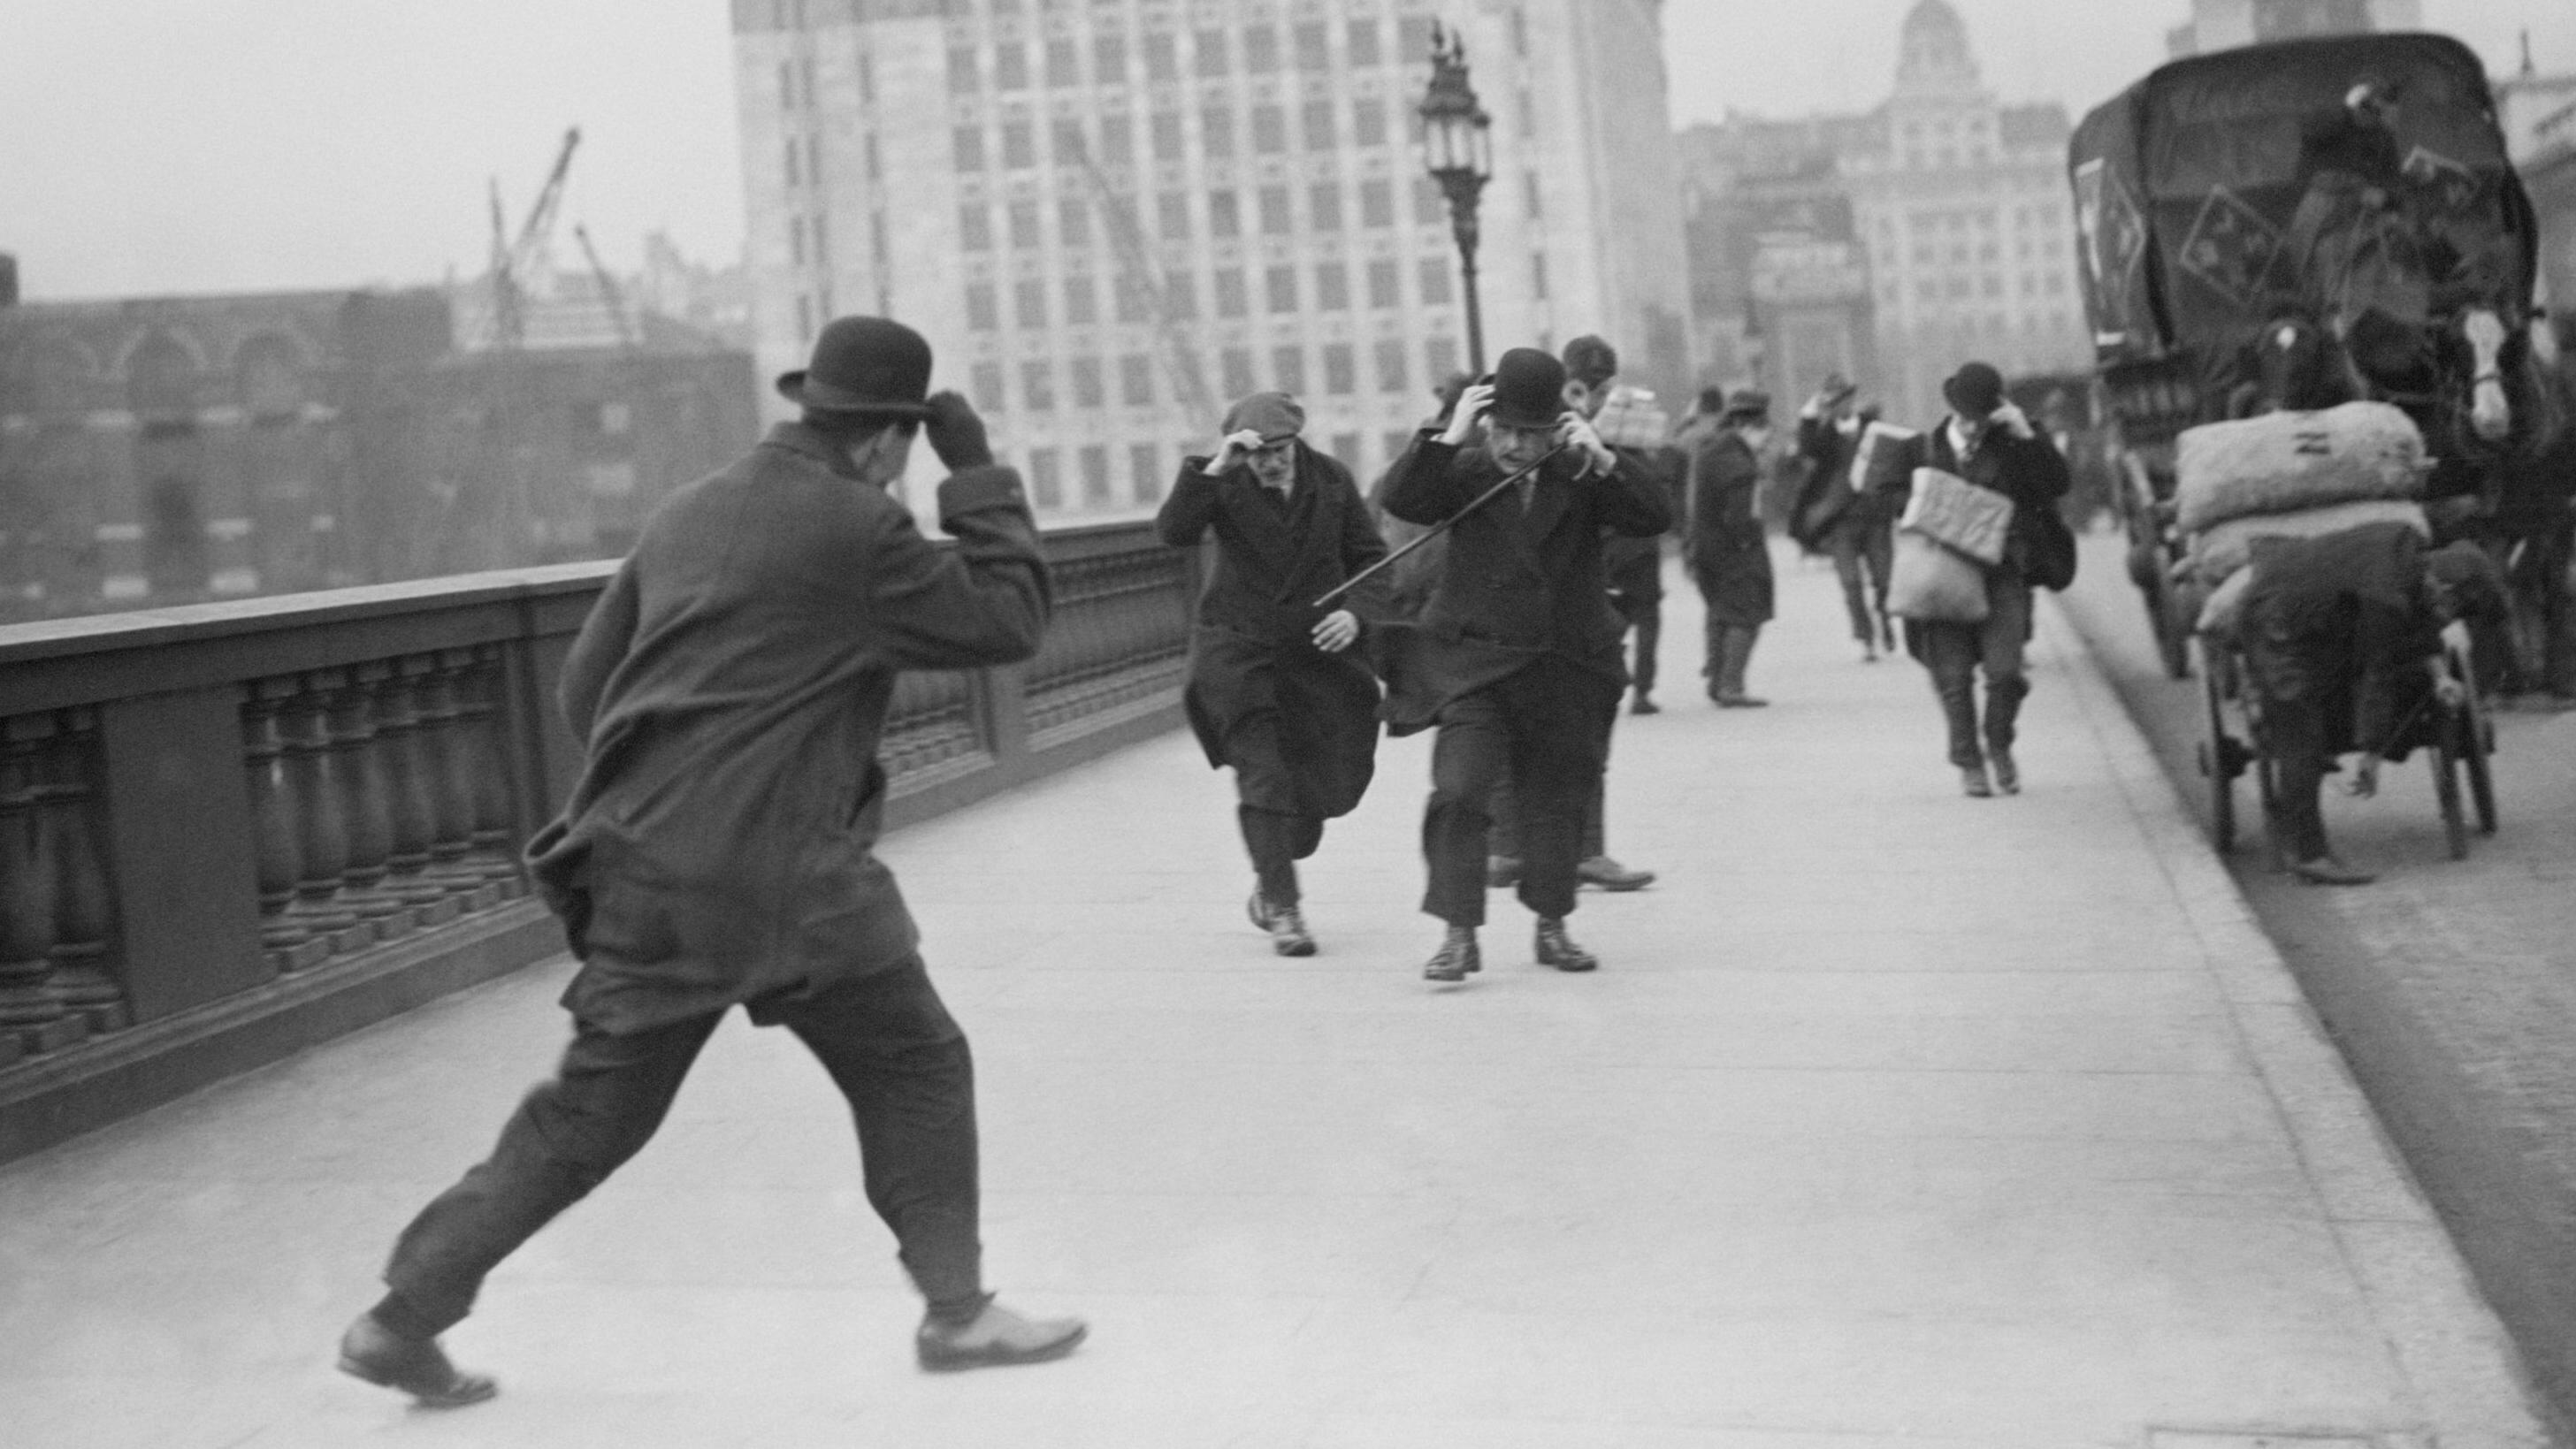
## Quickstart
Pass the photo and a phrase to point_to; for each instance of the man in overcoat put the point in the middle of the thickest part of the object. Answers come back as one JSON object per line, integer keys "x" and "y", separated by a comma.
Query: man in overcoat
{"x": 1723, "y": 543}
{"x": 1837, "y": 516}
{"x": 1521, "y": 660}
{"x": 1276, "y": 689}
{"x": 730, "y": 688}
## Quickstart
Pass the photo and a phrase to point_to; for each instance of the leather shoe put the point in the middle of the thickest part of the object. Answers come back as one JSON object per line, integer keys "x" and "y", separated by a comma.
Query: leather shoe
{"x": 1456, "y": 958}
{"x": 1739, "y": 701}
{"x": 1972, "y": 778}
{"x": 1288, "y": 935}
{"x": 996, "y": 1338}
{"x": 2327, "y": 870}
{"x": 2007, "y": 775}
{"x": 1557, "y": 949}
{"x": 1642, "y": 705}
{"x": 1502, "y": 871}
{"x": 417, "y": 1367}
{"x": 1610, "y": 875}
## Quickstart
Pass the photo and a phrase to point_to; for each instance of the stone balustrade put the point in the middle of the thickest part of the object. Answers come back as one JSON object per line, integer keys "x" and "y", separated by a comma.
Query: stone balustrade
{"x": 228, "y": 831}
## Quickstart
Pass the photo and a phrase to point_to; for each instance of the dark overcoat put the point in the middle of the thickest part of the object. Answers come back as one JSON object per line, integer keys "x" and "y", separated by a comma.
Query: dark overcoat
{"x": 731, "y": 686}
{"x": 1519, "y": 584}
{"x": 1723, "y": 541}
{"x": 1253, "y": 649}
{"x": 1634, "y": 567}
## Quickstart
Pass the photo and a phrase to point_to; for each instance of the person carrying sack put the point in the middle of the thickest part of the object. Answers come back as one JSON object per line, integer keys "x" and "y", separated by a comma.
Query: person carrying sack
{"x": 1987, "y": 443}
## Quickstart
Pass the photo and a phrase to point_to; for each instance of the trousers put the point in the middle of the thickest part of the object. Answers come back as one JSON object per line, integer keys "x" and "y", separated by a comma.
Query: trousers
{"x": 1863, "y": 550}
{"x": 887, "y": 1042}
{"x": 1643, "y": 613}
{"x": 1277, "y": 840}
{"x": 1277, "y": 833}
{"x": 1956, "y": 652}
{"x": 1544, "y": 731}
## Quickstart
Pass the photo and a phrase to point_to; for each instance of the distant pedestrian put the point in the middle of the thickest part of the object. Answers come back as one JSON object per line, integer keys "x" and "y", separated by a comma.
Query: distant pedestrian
{"x": 718, "y": 851}
{"x": 1724, "y": 545}
{"x": 1987, "y": 441}
{"x": 1837, "y": 515}
{"x": 1276, "y": 689}
{"x": 1521, "y": 652}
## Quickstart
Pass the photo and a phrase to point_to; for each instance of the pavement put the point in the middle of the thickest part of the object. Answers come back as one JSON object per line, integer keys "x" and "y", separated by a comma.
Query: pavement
{"x": 1894, "y": 1120}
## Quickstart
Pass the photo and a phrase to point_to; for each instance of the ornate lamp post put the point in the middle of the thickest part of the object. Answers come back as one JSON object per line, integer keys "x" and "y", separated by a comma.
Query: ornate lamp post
{"x": 1458, "y": 148}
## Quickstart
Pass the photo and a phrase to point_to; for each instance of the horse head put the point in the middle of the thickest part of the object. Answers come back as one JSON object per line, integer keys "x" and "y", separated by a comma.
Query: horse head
{"x": 2299, "y": 366}
{"x": 2484, "y": 333}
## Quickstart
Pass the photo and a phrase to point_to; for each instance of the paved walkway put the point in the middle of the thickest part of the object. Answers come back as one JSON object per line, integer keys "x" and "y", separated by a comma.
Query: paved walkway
{"x": 1895, "y": 1119}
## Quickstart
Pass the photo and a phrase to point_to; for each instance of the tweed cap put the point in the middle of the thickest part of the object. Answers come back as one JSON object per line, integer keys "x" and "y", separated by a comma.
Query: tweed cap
{"x": 1274, "y": 415}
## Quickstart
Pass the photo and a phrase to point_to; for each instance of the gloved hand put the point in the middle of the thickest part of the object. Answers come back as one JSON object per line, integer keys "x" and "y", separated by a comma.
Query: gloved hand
{"x": 956, "y": 434}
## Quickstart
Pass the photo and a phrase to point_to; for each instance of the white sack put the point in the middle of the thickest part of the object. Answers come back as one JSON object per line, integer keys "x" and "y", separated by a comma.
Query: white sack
{"x": 1931, "y": 584}
{"x": 1954, "y": 511}
{"x": 2281, "y": 462}
{"x": 2224, "y": 548}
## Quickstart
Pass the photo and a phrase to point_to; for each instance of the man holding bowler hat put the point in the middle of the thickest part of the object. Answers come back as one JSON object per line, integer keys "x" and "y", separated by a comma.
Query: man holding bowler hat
{"x": 730, "y": 688}
{"x": 1521, "y": 666}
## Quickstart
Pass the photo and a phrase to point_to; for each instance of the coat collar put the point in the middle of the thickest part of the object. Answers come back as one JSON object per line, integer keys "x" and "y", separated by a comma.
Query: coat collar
{"x": 807, "y": 442}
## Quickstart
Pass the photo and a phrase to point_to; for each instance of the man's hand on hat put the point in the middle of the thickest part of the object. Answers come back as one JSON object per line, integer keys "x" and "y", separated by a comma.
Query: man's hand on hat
{"x": 1233, "y": 451}
{"x": 1472, "y": 404}
{"x": 956, "y": 433}
{"x": 2013, "y": 420}
{"x": 1577, "y": 431}
{"x": 1337, "y": 631}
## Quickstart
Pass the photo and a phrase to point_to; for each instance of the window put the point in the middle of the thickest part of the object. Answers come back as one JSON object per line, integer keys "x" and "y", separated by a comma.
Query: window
{"x": 1225, "y": 219}
{"x": 967, "y": 148}
{"x": 975, "y": 227}
{"x": 1081, "y": 303}
{"x": 1037, "y": 386}
{"x": 1413, "y": 39}
{"x": 1095, "y": 475}
{"x": 1019, "y": 145}
{"x": 1216, "y": 131}
{"x": 988, "y": 386}
{"x": 1397, "y": 444}
{"x": 1430, "y": 208}
{"x": 1377, "y": 203}
{"x": 1232, "y": 295}
{"x": 1384, "y": 284}
{"x": 962, "y": 76}
{"x": 1346, "y": 446}
{"x": 787, "y": 85}
{"x": 983, "y": 308}
{"x": 796, "y": 241}
{"x": 1046, "y": 482}
{"x": 1288, "y": 369}
{"x": 1024, "y": 225}
{"x": 1281, "y": 284}
{"x": 1341, "y": 373}
{"x": 1531, "y": 182}
{"x": 1073, "y": 221}
{"x": 1314, "y": 48}
{"x": 1010, "y": 66}
{"x": 1440, "y": 355}
{"x": 1368, "y": 123}
{"x": 1390, "y": 367}
{"x": 1136, "y": 380}
{"x": 1173, "y": 208}
{"x": 1117, "y": 140}
{"x": 1109, "y": 59}
{"x": 1088, "y": 391}
{"x": 1131, "y": 299}
{"x": 1260, "y": 49}
{"x": 1162, "y": 56}
{"x": 1211, "y": 54}
{"x": 1236, "y": 364}
{"x": 1145, "y": 471}
{"x": 805, "y": 318}
{"x": 1332, "y": 287}
{"x": 1063, "y": 65}
{"x": 1269, "y": 130}
{"x": 1274, "y": 211}
{"x": 1363, "y": 39}
{"x": 1319, "y": 125}
{"x": 1167, "y": 135}
{"x": 1324, "y": 206}
{"x": 1067, "y": 139}
{"x": 1435, "y": 282}
{"x": 795, "y": 166}
{"x": 1029, "y": 302}
{"x": 1180, "y": 296}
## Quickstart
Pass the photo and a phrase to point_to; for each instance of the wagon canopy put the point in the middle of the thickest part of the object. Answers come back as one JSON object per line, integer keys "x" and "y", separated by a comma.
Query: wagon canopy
{"x": 2224, "y": 188}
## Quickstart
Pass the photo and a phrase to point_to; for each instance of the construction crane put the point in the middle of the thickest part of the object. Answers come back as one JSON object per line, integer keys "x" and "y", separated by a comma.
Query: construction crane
{"x": 609, "y": 295}
{"x": 1136, "y": 259}
{"x": 517, "y": 262}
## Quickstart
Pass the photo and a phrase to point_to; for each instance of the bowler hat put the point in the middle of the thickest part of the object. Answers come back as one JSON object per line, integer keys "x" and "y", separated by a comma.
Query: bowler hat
{"x": 864, "y": 365}
{"x": 1976, "y": 390}
{"x": 1591, "y": 361}
{"x": 1747, "y": 402}
{"x": 1836, "y": 387}
{"x": 1529, "y": 389}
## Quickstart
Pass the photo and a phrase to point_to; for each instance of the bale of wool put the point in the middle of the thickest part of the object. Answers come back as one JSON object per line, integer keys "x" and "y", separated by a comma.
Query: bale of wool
{"x": 1951, "y": 510}
{"x": 1931, "y": 583}
{"x": 1885, "y": 456}
{"x": 1631, "y": 419}
{"x": 2224, "y": 548}
{"x": 2281, "y": 462}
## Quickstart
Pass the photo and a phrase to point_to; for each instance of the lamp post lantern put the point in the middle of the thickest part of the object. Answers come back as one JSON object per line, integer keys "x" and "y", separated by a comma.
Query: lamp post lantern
{"x": 1458, "y": 148}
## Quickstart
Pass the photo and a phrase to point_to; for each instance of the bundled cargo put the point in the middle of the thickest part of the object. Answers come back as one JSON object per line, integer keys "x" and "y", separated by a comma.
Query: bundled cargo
{"x": 1931, "y": 583}
{"x": 2219, "y": 551}
{"x": 2289, "y": 461}
{"x": 1631, "y": 419}
{"x": 1950, "y": 510}
{"x": 1884, "y": 458}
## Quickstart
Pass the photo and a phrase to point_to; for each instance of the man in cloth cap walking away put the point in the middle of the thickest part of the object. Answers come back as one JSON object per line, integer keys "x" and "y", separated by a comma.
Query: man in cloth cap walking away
{"x": 1522, "y": 669}
{"x": 1835, "y": 514}
{"x": 718, "y": 850}
{"x": 1276, "y": 689}
{"x": 1723, "y": 542}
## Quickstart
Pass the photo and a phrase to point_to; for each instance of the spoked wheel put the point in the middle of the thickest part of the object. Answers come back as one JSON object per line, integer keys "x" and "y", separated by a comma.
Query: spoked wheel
{"x": 2173, "y": 632}
{"x": 2221, "y": 758}
{"x": 2477, "y": 749}
{"x": 2445, "y": 759}
{"x": 2267, "y": 788}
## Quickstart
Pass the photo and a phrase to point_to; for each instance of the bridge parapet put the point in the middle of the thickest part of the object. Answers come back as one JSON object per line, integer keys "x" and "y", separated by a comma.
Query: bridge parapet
{"x": 228, "y": 831}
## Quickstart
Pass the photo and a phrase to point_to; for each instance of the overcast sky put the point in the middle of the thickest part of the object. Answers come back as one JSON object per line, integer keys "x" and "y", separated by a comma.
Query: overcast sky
{"x": 157, "y": 146}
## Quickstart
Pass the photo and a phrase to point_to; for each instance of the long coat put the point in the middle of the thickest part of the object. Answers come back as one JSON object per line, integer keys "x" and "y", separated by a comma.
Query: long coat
{"x": 1253, "y": 649}
{"x": 731, "y": 686}
{"x": 1723, "y": 540}
{"x": 1519, "y": 584}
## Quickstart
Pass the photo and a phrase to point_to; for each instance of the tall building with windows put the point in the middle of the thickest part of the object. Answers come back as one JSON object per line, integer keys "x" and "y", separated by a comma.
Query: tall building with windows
{"x": 1113, "y": 216}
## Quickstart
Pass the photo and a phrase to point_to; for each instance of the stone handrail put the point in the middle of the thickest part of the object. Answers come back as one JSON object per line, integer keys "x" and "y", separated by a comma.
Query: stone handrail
{"x": 230, "y": 830}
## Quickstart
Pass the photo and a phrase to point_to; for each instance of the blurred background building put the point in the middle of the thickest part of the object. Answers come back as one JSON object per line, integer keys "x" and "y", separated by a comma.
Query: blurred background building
{"x": 1113, "y": 218}
{"x": 2221, "y": 24}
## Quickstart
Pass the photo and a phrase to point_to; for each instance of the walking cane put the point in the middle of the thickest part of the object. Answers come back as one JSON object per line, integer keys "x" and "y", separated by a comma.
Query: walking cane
{"x": 1443, "y": 526}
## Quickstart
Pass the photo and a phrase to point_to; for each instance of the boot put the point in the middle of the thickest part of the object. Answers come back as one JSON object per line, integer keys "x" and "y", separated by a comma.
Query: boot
{"x": 1737, "y": 653}
{"x": 1456, "y": 957}
{"x": 2330, "y": 871}
{"x": 1286, "y": 925}
{"x": 995, "y": 1337}
{"x": 1972, "y": 778}
{"x": 1644, "y": 704}
{"x": 1610, "y": 875}
{"x": 1557, "y": 949}
{"x": 2007, "y": 775}
{"x": 417, "y": 1366}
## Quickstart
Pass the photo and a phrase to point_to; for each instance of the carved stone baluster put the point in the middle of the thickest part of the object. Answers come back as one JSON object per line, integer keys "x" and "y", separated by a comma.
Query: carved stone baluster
{"x": 487, "y": 762}
{"x": 446, "y": 765}
{"x": 35, "y": 1019}
{"x": 397, "y": 719}
{"x": 322, "y": 829}
{"x": 290, "y": 944}
{"x": 363, "y": 808}
{"x": 84, "y": 909}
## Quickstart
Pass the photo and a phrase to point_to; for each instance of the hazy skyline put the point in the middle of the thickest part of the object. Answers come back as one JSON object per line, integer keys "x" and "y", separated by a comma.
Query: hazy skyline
{"x": 186, "y": 146}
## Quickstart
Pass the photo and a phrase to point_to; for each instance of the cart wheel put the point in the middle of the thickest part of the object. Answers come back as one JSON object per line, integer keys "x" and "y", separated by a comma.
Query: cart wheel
{"x": 2218, "y": 759}
{"x": 2477, "y": 735}
{"x": 2173, "y": 633}
{"x": 2444, "y": 757}
{"x": 2267, "y": 789}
